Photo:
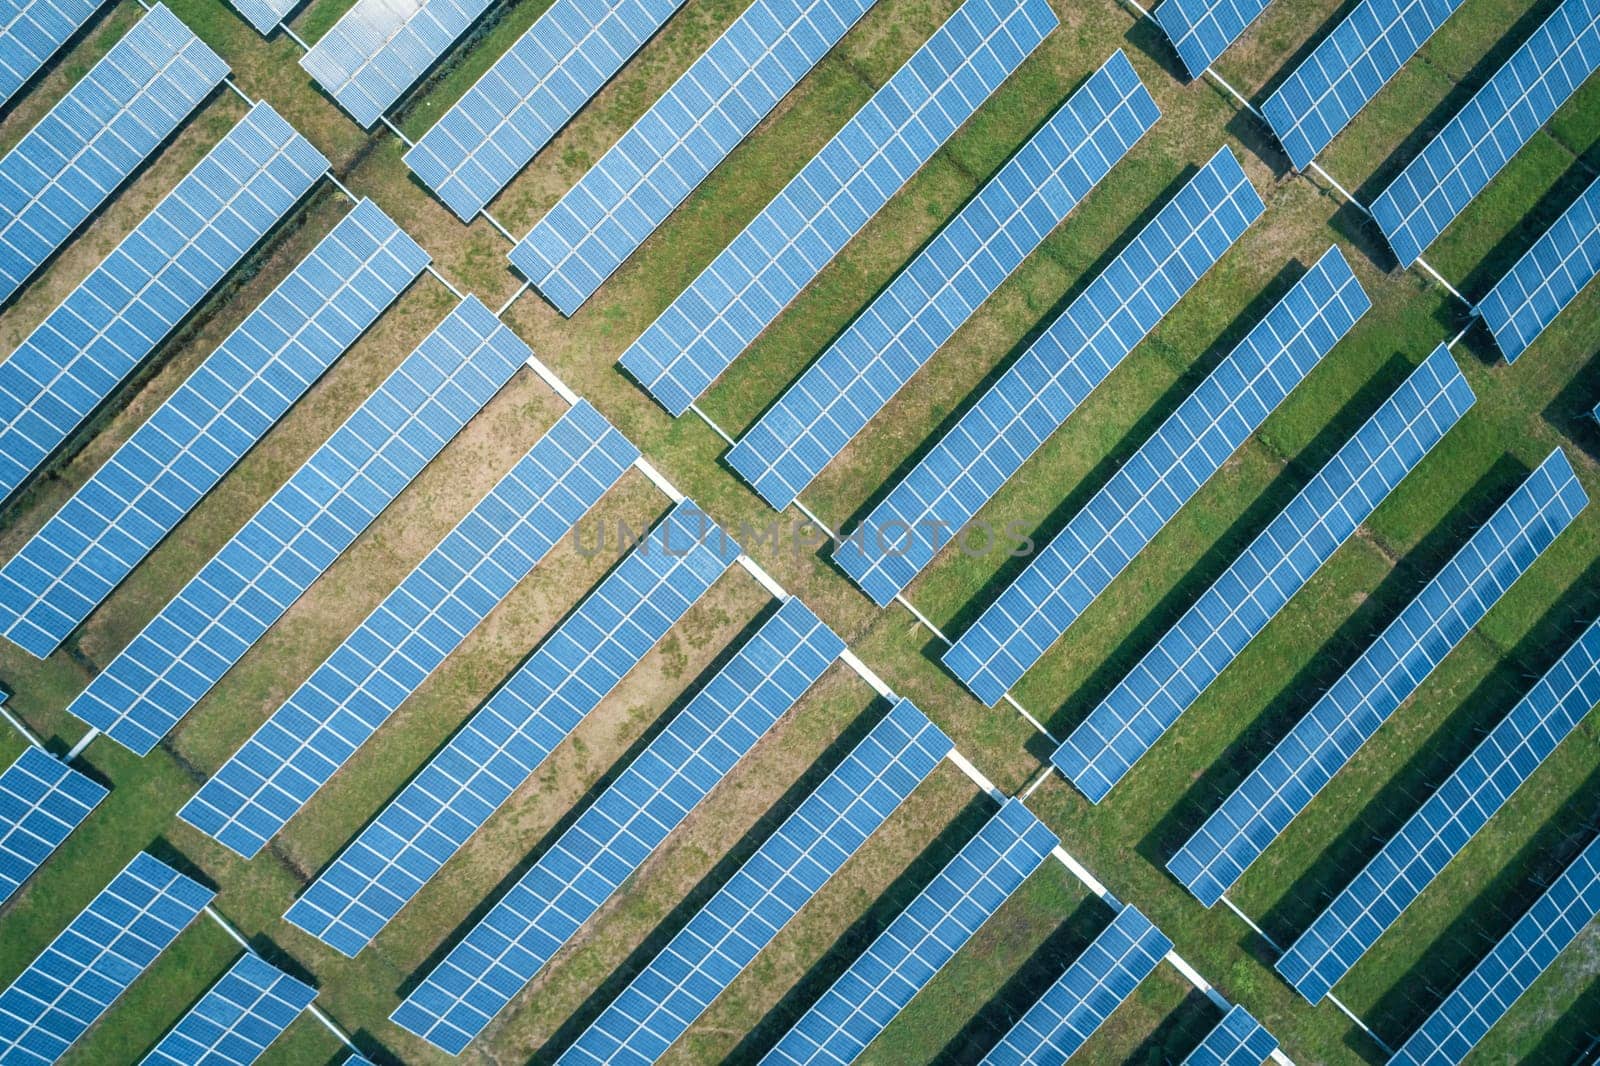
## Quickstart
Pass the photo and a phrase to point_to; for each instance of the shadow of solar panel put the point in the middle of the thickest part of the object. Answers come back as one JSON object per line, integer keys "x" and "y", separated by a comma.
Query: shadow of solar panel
{"x": 613, "y": 837}
{"x": 506, "y": 740}
{"x": 1485, "y": 995}
{"x": 236, "y": 1019}
{"x": 920, "y": 940}
{"x": 101, "y": 952}
{"x": 1560, "y": 263}
{"x": 667, "y": 153}
{"x": 1444, "y": 824}
{"x": 789, "y": 867}
{"x": 1276, "y": 565}
{"x": 1063, "y": 1019}
{"x": 824, "y": 206}
{"x": 530, "y": 93}
{"x": 31, "y": 31}
{"x": 409, "y": 634}
{"x": 221, "y": 410}
{"x": 1346, "y": 70}
{"x": 937, "y": 291}
{"x": 159, "y": 273}
{"x": 1238, "y": 1040}
{"x": 297, "y": 534}
{"x": 1201, "y": 30}
{"x": 96, "y": 136}
{"x": 1375, "y": 685}
{"x": 42, "y": 800}
{"x": 1031, "y": 400}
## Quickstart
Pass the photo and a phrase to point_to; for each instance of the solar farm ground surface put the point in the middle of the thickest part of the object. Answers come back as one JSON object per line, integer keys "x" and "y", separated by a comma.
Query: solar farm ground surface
{"x": 1522, "y": 412}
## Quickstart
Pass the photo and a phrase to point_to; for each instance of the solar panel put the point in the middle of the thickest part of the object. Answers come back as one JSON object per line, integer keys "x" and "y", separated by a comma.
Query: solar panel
{"x": 1560, "y": 263}
{"x": 160, "y": 272}
{"x": 1276, "y": 565}
{"x": 1015, "y": 415}
{"x": 1346, "y": 70}
{"x": 750, "y": 909}
{"x": 409, "y": 634}
{"x": 1201, "y": 30}
{"x": 96, "y": 135}
{"x": 612, "y": 838}
{"x": 1375, "y": 685}
{"x": 532, "y": 91}
{"x": 237, "y": 1017}
{"x": 833, "y": 196}
{"x": 1501, "y": 977}
{"x": 1238, "y": 1040}
{"x": 1070, "y": 573}
{"x": 264, "y": 15}
{"x": 31, "y": 31}
{"x": 500, "y": 746}
{"x": 667, "y": 153}
{"x": 938, "y": 290}
{"x": 42, "y": 800}
{"x": 221, "y": 410}
{"x": 297, "y": 534}
{"x": 1079, "y": 1001}
{"x": 1410, "y": 860}
{"x": 100, "y": 953}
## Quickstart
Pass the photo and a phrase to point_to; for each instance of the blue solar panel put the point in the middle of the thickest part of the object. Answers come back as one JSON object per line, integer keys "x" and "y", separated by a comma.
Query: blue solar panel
{"x": 409, "y": 634}
{"x": 500, "y": 746}
{"x": 1387, "y": 673}
{"x": 670, "y": 150}
{"x": 100, "y": 953}
{"x": 297, "y": 534}
{"x": 159, "y": 474}
{"x": 1443, "y": 825}
{"x": 31, "y": 31}
{"x": 96, "y": 135}
{"x": 1238, "y": 1040}
{"x": 1276, "y": 565}
{"x": 42, "y": 800}
{"x": 833, "y": 196}
{"x": 532, "y": 91}
{"x": 609, "y": 840}
{"x": 1063, "y": 1019}
{"x": 1201, "y": 30}
{"x": 1512, "y": 965}
{"x": 1546, "y": 279}
{"x": 160, "y": 272}
{"x": 920, "y": 940}
{"x": 937, "y": 291}
{"x": 747, "y": 912}
{"x": 1064, "y": 578}
{"x": 1015, "y": 416}
{"x": 236, "y": 1019}
{"x": 1346, "y": 70}
{"x": 264, "y": 15}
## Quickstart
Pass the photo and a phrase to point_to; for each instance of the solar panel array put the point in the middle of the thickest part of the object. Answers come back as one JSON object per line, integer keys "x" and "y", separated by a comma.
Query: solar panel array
{"x": 409, "y": 634}
{"x": 938, "y": 290}
{"x": 1485, "y": 995}
{"x": 612, "y": 838}
{"x": 500, "y": 746}
{"x": 1346, "y": 70}
{"x": 1201, "y": 30}
{"x": 921, "y": 939}
{"x": 31, "y": 31}
{"x": 100, "y": 953}
{"x": 1079, "y": 1001}
{"x": 532, "y": 91}
{"x": 1409, "y": 861}
{"x": 236, "y": 1019}
{"x": 669, "y": 151}
{"x": 96, "y": 135}
{"x": 750, "y": 909}
{"x": 1238, "y": 1040}
{"x": 264, "y": 15}
{"x": 1069, "y": 573}
{"x": 221, "y": 410}
{"x": 159, "y": 273}
{"x": 1561, "y": 262}
{"x": 1037, "y": 393}
{"x": 1265, "y": 576}
{"x": 297, "y": 534}
{"x": 833, "y": 196}
{"x": 1375, "y": 685}
{"x": 42, "y": 800}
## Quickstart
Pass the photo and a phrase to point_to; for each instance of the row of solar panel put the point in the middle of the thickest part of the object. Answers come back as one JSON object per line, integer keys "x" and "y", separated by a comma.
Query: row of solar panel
{"x": 31, "y": 31}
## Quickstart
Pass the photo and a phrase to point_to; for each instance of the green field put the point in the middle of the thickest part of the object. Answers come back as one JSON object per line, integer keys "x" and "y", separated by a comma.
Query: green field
{"x": 1522, "y": 413}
